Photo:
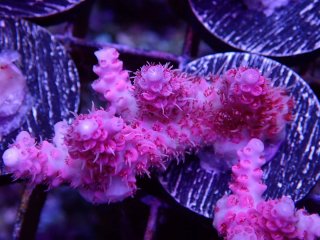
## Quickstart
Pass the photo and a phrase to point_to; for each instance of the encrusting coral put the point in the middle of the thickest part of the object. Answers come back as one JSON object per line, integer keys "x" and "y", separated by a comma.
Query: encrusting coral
{"x": 163, "y": 115}
{"x": 245, "y": 215}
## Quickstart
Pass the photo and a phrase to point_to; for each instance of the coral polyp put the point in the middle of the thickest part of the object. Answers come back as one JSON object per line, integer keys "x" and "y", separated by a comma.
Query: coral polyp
{"x": 114, "y": 84}
{"x": 163, "y": 115}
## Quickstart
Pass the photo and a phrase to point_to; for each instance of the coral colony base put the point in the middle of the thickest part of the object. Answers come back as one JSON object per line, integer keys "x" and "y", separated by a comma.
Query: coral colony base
{"x": 244, "y": 215}
{"x": 163, "y": 115}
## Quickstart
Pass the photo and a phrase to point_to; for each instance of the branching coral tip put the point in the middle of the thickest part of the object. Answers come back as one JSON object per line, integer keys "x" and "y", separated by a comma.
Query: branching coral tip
{"x": 246, "y": 215}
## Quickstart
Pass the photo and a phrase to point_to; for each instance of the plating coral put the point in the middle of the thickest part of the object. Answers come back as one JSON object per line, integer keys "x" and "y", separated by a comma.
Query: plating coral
{"x": 163, "y": 115}
{"x": 245, "y": 215}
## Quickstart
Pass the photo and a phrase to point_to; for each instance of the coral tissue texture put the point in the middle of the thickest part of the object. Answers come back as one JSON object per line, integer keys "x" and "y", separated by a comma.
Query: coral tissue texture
{"x": 245, "y": 215}
{"x": 161, "y": 116}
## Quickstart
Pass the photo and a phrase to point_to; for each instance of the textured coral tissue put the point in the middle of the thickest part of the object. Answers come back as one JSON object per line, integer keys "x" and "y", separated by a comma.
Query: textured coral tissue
{"x": 246, "y": 215}
{"x": 161, "y": 116}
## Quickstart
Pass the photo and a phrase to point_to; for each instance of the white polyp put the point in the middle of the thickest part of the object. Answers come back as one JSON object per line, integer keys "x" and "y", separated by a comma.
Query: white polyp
{"x": 60, "y": 130}
{"x": 154, "y": 74}
{"x": 118, "y": 189}
{"x": 114, "y": 125}
{"x": 11, "y": 157}
{"x": 256, "y": 144}
{"x": 86, "y": 128}
{"x": 250, "y": 76}
{"x": 284, "y": 209}
{"x": 105, "y": 55}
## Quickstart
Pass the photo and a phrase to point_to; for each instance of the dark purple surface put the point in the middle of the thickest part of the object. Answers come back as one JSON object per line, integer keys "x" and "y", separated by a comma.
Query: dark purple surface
{"x": 290, "y": 30}
{"x": 36, "y": 8}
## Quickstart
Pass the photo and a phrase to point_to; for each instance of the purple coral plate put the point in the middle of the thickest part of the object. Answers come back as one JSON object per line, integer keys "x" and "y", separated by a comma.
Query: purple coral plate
{"x": 294, "y": 169}
{"x": 40, "y": 10}
{"x": 288, "y": 31}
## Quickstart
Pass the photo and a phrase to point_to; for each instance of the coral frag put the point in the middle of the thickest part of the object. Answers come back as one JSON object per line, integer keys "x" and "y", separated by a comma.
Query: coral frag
{"x": 245, "y": 215}
{"x": 160, "y": 117}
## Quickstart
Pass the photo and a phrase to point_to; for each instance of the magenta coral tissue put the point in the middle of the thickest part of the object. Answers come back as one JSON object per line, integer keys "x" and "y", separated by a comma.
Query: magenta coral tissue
{"x": 160, "y": 117}
{"x": 246, "y": 215}
{"x": 114, "y": 84}
{"x": 249, "y": 107}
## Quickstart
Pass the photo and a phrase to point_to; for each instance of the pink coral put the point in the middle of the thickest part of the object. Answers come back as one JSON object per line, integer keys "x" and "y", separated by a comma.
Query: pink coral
{"x": 245, "y": 215}
{"x": 42, "y": 163}
{"x": 160, "y": 91}
{"x": 164, "y": 115}
{"x": 114, "y": 84}
{"x": 174, "y": 104}
{"x": 108, "y": 153}
{"x": 251, "y": 106}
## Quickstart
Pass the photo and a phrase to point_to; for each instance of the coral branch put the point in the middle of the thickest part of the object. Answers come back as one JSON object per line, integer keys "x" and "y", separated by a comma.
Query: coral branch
{"x": 114, "y": 84}
{"x": 41, "y": 163}
{"x": 250, "y": 107}
{"x": 245, "y": 215}
{"x": 165, "y": 114}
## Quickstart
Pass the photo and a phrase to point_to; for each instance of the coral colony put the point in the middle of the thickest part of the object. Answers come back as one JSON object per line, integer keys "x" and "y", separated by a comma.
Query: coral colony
{"x": 12, "y": 96}
{"x": 245, "y": 215}
{"x": 163, "y": 115}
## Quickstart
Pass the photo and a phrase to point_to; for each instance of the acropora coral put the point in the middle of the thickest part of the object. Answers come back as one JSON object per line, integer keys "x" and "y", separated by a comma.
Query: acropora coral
{"x": 246, "y": 215}
{"x": 161, "y": 116}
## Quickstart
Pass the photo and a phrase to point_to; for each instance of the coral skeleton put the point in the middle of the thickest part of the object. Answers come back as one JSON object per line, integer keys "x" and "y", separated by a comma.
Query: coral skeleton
{"x": 246, "y": 215}
{"x": 164, "y": 114}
